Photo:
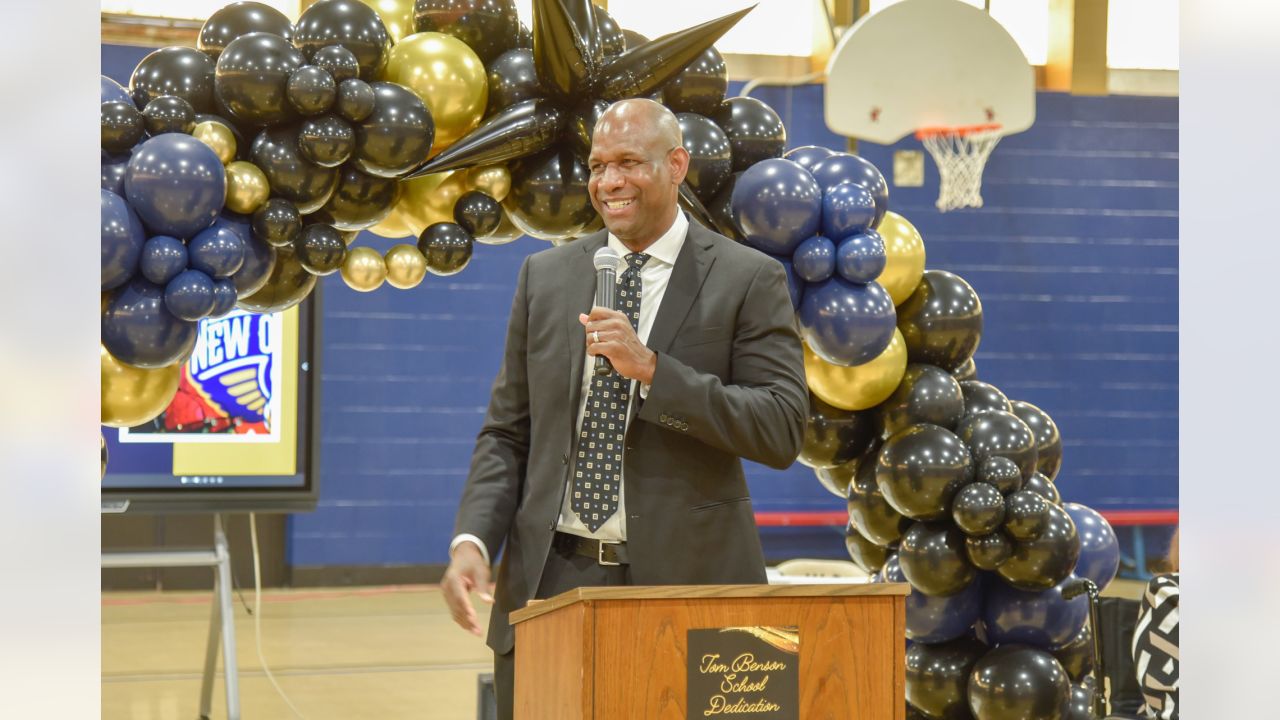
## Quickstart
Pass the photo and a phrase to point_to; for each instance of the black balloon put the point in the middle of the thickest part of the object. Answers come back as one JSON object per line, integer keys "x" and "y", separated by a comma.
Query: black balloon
{"x": 549, "y": 198}
{"x": 981, "y": 397}
{"x": 361, "y": 200}
{"x": 645, "y": 68}
{"x": 833, "y": 436}
{"x": 288, "y": 285}
{"x": 978, "y": 508}
{"x": 512, "y": 79}
{"x": 921, "y": 468}
{"x": 113, "y": 171}
{"x": 582, "y": 124}
{"x": 1048, "y": 439}
{"x": 864, "y": 553}
{"x": 519, "y": 131}
{"x": 1017, "y": 682}
{"x": 477, "y": 213}
{"x": 613, "y": 40}
{"x": 397, "y": 135}
{"x": 1047, "y": 560}
{"x": 836, "y": 479}
{"x": 932, "y": 556}
{"x": 700, "y": 87}
{"x": 926, "y": 394}
{"x": 277, "y": 223}
{"x": 710, "y": 159}
{"x": 339, "y": 62}
{"x": 999, "y": 433}
{"x": 1044, "y": 487}
{"x": 1080, "y": 705}
{"x": 327, "y": 141}
{"x": 1001, "y": 472}
{"x": 320, "y": 249}
{"x": 169, "y": 114}
{"x": 967, "y": 371}
{"x": 122, "y": 127}
{"x": 447, "y": 248}
{"x": 351, "y": 24}
{"x": 487, "y": 26}
{"x": 355, "y": 99}
{"x": 1076, "y": 655}
{"x": 179, "y": 71}
{"x": 1026, "y": 515}
{"x": 755, "y": 131}
{"x": 869, "y": 512}
{"x": 941, "y": 321}
{"x": 560, "y": 52}
{"x": 311, "y": 90}
{"x": 938, "y": 677}
{"x": 252, "y": 77}
{"x": 987, "y": 552}
{"x": 241, "y": 18}
{"x": 292, "y": 176}
{"x": 721, "y": 210}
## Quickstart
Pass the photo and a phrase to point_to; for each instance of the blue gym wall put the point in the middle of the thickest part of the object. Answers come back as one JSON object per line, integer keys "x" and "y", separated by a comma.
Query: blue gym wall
{"x": 1074, "y": 256}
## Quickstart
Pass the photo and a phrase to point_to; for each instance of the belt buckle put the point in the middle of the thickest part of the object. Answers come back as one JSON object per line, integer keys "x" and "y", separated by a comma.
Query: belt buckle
{"x": 600, "y": 553}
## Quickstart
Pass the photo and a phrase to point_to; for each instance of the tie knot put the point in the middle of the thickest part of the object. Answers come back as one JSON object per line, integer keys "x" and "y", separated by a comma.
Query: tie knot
{"x": 635, "y": 261}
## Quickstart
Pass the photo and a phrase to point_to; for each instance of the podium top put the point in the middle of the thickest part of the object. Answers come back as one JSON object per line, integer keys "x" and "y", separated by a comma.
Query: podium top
{"x": 703, "y": 592}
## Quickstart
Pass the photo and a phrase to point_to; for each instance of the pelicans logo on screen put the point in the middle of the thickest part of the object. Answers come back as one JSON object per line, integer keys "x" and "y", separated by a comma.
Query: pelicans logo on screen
{"x": 231, "y": 368}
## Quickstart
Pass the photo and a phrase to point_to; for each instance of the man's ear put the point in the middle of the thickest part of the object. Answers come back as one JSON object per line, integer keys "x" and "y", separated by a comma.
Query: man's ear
{"x": 678, "y": 164}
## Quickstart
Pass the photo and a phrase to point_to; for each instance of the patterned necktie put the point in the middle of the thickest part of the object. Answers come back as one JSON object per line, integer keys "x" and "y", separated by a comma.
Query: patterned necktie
{"x": 597, "y": 471}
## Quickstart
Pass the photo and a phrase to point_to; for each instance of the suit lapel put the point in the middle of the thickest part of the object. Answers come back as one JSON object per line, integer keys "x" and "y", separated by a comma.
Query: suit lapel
{"x": 580, "y": 294}
{"x": 692, "y": 265}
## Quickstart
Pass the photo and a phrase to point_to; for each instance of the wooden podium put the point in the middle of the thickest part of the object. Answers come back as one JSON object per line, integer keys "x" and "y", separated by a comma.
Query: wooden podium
{"x": 622, "y": 653}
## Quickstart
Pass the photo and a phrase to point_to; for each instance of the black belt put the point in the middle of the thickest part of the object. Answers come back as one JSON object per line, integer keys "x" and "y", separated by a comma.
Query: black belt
{"x": 604, "y": 552}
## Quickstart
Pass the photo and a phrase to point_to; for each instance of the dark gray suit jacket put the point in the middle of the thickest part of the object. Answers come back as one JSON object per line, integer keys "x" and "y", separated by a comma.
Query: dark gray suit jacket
{"x": 729, "y": 384}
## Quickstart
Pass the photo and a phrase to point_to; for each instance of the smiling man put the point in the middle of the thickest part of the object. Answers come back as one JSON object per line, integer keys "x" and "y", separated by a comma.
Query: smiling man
{"x": 634, "y": 477}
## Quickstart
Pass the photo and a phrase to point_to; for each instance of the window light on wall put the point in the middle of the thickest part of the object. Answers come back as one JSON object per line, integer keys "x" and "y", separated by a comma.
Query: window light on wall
{"x": 187, "y": 9}
{"x": 1142, "y": 34}
{"x": 1026, "y": 20}
{"x": 775, "y": 27}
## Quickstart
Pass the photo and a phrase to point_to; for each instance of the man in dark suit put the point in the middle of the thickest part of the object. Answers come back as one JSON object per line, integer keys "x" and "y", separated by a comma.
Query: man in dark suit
{"x": 630, "y": 477}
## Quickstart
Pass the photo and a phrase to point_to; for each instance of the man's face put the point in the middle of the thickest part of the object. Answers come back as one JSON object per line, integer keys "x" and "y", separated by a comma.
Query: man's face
{"x": 633, "y": 180}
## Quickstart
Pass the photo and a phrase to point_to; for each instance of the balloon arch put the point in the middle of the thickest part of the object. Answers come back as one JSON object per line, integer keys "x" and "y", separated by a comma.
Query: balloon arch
{"x": 236, "y": 173}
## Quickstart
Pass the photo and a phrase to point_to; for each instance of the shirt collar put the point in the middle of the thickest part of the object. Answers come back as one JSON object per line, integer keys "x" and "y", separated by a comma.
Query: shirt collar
{"x": 666, "y": 248}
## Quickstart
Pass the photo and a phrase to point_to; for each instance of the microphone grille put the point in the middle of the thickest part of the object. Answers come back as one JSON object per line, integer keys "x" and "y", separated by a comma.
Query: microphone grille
{"x": 607, "y": 257}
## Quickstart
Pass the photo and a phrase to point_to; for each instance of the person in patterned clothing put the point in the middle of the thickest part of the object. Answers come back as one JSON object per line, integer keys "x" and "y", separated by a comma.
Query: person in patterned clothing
{"x": 1155, "y": 643}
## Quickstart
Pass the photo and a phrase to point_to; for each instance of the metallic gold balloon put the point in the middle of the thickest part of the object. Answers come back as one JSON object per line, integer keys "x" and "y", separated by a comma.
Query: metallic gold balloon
{"x": 218, "y": 137}
{"x": 406, "y": 266}
{"x": 363, "y": 270}
{"x": 430, "y": 199}
{"x": 448, "y": 76}
{"x": 132, "y": 396}
{"x": 904, "y": 250}
{"x": 394, "y": 225}
{"x": 861, "y": 386}
{"x": 396, "y": 15}
{"x": 492, "y": 180}
{"x": 247, "y": 187}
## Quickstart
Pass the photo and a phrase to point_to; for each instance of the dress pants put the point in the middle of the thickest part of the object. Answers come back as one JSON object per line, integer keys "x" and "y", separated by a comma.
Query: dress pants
{"x": 565, "y": 570}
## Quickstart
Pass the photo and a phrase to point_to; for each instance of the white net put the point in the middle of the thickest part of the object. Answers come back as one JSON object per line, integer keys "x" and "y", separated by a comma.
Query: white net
{"x": 961, "y": 156}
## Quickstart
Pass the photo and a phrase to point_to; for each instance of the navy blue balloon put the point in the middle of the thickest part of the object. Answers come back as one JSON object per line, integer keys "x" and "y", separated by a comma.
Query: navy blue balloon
{"x": 163, "y": 257}
{"x": 847, "y": 324}
{"x": 847, "y": 167}
{"x": 224, "y": 297}
{"x": 1099, "y": 548}
{"x": 806, "y": 156}
{"x": 189, "y": 296}
{"x": 113, "y": 91}
{"x": 122, "y": 240}
{"x": 795, "y": 286}
{"x": 176, "y": 184}
{"x": 861, "y": 258}
{"x": 815, "y": 259}
{"x": 1033, "y": 617}
{"x": 847, "y": 209}
{"x": 259, "y": 256}
{"x": 217, "y": 251}
{"x": 937, "y": 619}
{"x": 139, "y": 330}
{"x": 113, "y": 169}
{"x": 777, "y": 204}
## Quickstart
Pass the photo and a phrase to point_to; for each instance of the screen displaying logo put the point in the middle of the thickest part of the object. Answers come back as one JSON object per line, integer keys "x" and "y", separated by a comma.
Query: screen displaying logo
{"x": 230, "y": 387}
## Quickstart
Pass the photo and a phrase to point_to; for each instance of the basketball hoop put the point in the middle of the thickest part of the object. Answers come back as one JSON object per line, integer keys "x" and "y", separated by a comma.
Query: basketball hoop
{"x": 961, "y": 154}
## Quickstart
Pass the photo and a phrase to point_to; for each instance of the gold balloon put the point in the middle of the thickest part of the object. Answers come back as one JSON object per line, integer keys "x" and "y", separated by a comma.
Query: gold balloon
{"x": 247, "y": 187}
{"x": 448, "y": 76}
{"x": 218, "y": 137}
{"x": 904, "y": 253}
{"x": 395, "y": 225}
{"x": 429, "y": 199}
{"x": 406, "y": 266}
{"x": 364, "y": 270}
{"x": 396, "y": 16}
{"x": 861, "y": 386}
{"x": 132, "y": 396}
{"x": 492, "y": 180}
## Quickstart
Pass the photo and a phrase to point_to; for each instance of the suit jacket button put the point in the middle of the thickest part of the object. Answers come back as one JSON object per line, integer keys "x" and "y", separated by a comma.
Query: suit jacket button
{"x": 564, "y": 459}
{"x": 663, "y": 418}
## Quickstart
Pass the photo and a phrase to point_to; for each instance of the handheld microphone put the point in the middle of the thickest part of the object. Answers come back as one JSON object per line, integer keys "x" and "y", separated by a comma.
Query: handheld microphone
{"x": 606, "y": 261}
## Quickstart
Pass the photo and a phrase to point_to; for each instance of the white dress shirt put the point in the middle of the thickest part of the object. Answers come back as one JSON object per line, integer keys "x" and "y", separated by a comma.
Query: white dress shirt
{"x": 654, "y": 277}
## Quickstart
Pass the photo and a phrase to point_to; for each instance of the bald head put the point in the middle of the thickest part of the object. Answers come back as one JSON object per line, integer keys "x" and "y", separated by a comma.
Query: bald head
{"x": 653, "y": 122}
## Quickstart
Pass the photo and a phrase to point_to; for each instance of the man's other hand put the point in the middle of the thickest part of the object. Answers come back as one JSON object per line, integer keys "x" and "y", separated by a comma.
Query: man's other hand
{"x": 467, "y": 573}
